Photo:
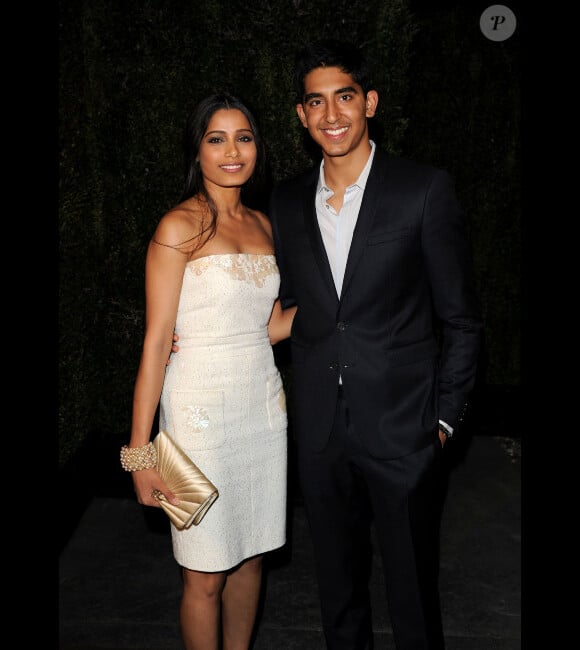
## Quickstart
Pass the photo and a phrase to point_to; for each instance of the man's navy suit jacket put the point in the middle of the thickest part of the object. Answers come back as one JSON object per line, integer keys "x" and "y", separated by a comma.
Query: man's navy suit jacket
{"x": 405, "y": 334}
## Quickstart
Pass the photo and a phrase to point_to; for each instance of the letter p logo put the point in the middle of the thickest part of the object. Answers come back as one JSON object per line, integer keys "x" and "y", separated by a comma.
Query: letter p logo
{"x": 497, "y": 23}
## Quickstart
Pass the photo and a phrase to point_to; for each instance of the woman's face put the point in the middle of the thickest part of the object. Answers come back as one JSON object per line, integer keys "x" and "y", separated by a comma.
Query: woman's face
{"x": 227, "y": 154}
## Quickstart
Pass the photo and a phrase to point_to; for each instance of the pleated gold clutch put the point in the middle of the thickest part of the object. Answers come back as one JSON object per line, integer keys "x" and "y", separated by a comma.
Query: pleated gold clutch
{"x": 195, "y": 491}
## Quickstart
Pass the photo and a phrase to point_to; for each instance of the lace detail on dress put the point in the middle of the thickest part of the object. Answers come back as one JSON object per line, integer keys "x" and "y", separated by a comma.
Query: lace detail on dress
{"x": 247, "y": 267}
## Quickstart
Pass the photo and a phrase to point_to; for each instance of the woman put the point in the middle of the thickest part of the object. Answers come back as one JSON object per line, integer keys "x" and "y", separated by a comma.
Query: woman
{"x": 211, "y": 276}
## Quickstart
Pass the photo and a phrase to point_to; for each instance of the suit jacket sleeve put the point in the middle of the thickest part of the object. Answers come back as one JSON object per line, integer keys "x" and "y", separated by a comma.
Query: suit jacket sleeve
{"x": 447, "y": 255}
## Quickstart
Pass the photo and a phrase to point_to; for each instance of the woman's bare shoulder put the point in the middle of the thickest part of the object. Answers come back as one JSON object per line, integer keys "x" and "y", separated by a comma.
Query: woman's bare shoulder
{"x": 179, "y": 226}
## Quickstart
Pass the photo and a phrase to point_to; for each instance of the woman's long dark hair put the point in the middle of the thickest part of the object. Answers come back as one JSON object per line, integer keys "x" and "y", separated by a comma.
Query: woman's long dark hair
{"x": 195, "y": 129}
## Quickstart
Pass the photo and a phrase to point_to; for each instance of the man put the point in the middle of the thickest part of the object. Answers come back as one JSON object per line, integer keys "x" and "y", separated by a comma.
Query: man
{"x": 373, "y": 250}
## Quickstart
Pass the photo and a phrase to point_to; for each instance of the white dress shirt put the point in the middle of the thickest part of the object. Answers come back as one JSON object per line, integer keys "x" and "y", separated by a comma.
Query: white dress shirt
{"x": 337, "y": 227}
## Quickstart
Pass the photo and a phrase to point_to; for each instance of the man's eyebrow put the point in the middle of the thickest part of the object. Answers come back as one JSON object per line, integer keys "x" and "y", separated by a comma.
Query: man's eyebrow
{"x": 340, "y": 91}
{"x": 346, "y": 89}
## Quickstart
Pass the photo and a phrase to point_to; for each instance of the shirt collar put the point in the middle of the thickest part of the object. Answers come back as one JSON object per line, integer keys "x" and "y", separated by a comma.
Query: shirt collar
{"x": 360, "y": 182}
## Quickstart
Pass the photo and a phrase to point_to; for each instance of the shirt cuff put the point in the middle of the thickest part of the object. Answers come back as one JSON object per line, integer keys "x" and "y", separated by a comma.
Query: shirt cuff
{"x": 446, "y": 428}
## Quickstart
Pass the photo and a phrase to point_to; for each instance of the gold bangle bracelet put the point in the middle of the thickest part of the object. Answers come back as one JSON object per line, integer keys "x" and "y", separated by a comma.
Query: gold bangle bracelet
{"x": 134, "y": 459}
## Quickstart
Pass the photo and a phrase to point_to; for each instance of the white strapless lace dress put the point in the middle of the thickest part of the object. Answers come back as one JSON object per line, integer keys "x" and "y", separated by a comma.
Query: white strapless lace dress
{"x": 224, "y": 403}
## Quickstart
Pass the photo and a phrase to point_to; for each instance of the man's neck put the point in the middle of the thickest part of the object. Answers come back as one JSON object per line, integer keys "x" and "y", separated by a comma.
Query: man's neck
{"x": 342, "y": 171}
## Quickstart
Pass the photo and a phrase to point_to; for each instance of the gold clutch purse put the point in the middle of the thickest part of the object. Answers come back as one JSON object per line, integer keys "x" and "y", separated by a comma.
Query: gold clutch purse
{"x": 195, "y": 491}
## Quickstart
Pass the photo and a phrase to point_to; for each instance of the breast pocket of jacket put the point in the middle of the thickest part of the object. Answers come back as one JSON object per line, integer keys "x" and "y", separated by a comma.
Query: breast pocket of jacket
{"x": 388, "y": 236}
{"x": 198, "y": 418}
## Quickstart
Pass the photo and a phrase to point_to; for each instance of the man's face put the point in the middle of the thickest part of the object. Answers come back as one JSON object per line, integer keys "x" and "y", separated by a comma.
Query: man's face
{"x": 335, "y": 111}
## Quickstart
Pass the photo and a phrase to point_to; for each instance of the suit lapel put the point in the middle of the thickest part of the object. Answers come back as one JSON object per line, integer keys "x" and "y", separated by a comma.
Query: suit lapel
{"x": 375, "y": 187}
{"x": 313, "y": 232}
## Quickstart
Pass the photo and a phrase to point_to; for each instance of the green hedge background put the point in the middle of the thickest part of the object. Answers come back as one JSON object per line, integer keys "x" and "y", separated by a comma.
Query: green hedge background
{"x": 130, "y": 71}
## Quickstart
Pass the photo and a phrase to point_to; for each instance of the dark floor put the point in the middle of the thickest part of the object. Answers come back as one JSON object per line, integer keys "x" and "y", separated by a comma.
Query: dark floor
{"x": 119, "y": 586}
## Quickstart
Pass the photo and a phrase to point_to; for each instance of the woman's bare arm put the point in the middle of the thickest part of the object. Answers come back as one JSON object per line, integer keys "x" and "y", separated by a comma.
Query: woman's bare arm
{"x": 280, "y": 323}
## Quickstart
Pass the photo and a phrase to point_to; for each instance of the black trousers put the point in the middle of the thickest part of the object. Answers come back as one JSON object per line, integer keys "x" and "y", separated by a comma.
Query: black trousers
{"x": 346, "y": 491}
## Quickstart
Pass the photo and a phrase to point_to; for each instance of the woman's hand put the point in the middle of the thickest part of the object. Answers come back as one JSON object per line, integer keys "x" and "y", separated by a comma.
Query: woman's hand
{"x": 146, "y": 482}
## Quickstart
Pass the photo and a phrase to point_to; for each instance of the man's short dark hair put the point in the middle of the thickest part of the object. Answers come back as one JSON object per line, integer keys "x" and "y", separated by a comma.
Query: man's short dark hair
{"x": 330, "y": 53}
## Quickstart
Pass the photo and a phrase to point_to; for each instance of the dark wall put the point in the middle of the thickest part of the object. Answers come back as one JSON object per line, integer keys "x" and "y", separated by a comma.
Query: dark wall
{"x": 131, "y": 70}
